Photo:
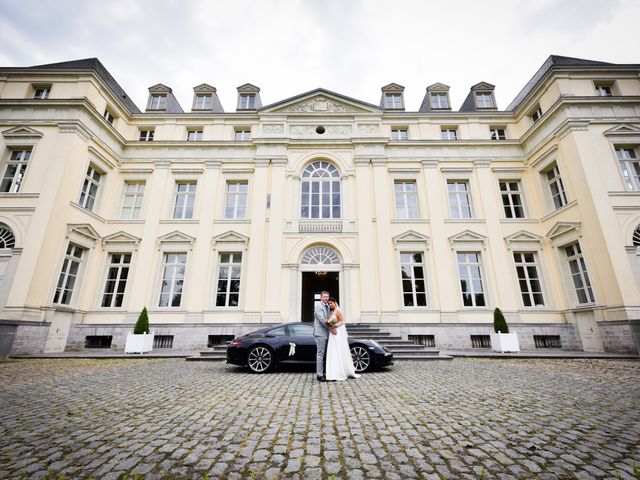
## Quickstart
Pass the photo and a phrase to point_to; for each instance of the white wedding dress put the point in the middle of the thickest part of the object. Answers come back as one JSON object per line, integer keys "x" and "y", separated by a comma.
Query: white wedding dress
{"x": 339, "y": 361}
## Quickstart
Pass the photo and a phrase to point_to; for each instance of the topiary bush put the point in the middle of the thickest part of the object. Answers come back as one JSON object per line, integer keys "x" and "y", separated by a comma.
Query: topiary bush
{"x": 499, "y": 322}
{"x": 142, "y": 325}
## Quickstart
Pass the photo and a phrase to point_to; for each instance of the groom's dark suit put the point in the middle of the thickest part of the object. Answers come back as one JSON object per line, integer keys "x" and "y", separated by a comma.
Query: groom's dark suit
{"x": 321, "y": 335}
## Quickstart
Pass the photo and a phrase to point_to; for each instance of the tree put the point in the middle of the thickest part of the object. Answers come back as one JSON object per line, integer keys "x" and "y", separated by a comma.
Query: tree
{"x": 142, "y": 325}
{"x": 499, "y": 322}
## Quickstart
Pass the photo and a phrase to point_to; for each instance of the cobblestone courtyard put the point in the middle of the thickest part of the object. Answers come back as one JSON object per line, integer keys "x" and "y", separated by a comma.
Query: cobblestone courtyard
{"x": 468, "y": 418}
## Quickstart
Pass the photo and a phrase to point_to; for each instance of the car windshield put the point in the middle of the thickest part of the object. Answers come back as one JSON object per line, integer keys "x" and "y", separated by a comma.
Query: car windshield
{"x": 301, "y": 330}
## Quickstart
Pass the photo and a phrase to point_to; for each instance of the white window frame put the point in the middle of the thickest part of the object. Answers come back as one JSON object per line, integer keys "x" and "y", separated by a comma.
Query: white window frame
{"x": 402, "y": 197}
{"x": 413, "y": 279}
{"x": 458, "y": 207}
{"x": 484, "y": 100}
{"x": 247, "y": 101}
{"x": 236, "y": 200}
{"x": 438, "y": 101}
{"x": 146, "y": 135}
{"x": 308, "y": 178}
{"x": 18, "y": 158}
{"x": 448, "y": 133}
{"x": 399, "y": 133}
{"x": 558, "y": 182}
{"x": 582, "y": 273}
{"x": 482, "y": 277}
{"x": 88, "y": 200}
{"x": 536, "y": 114}
{"x": 233, "y": 263}
{"x": 173, "y": 274}
{"x": 498, "y": 133}
{"x": 137, "y": 203}
{"x": 510, "y": 193}
{"x": 65, "y": 274}
{"x": 194, "y": 135}
{"x": 108, "y": 116}
{"x": 525, "y": 265}
{"x": 629, "y": 164}
{"x": 603, "y": 89}
{"x": 118, "y": 267}
{"x": 242, "y": 134}
{"x": 392, "y": 101}
{"x": 41, "y": 92}
{"x": 158, "y": 102}
{"x": 203, "y": 101}
{"x": 180, "y": 212}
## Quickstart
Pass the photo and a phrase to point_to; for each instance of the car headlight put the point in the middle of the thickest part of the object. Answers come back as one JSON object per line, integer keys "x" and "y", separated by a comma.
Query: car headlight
{"x": 376, "y": 344}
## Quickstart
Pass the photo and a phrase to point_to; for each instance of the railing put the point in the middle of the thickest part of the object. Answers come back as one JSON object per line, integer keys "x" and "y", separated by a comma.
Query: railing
{"x": 317, "y": 225}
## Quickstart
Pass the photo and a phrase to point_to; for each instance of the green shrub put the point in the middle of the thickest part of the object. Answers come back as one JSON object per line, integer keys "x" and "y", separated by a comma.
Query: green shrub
{"x": 142, "y": 325}
{"x": 499, "y": 322}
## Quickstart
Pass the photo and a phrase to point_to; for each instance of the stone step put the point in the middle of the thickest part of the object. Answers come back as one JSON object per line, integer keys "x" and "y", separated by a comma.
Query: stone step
{"x": 420, "y": 358}
{"x": 207, "y": 358}
{"x": 415, "y": 353}
{"x": 214, "y": 353}
{"x": 409, "y": 347}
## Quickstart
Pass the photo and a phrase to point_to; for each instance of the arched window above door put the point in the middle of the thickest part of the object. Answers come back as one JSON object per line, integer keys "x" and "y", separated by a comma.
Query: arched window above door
{"x": 320, "y": 256}
{"x": 636, "y": 237}
{"x": 320, "y": 192}
{"x": 7, "y": 239}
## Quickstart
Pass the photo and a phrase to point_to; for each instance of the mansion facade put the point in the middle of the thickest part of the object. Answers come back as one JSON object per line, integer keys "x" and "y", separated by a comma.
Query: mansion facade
{"x": 419, "y": 221}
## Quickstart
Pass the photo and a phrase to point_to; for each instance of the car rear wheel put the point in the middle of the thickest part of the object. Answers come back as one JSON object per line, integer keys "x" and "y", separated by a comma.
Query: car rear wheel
{"x": 260, "y": 359}
{"x": 361, "y": 358}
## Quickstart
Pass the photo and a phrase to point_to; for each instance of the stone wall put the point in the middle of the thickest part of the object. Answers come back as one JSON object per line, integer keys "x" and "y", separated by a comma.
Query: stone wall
{"x": 618, "y": 336}
{"x": 30, "y": 337}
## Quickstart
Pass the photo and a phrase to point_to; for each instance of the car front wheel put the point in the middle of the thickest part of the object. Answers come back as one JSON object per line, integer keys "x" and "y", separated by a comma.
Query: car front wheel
{"x": 260, "y": 359}
{"x": 361, "y": 358}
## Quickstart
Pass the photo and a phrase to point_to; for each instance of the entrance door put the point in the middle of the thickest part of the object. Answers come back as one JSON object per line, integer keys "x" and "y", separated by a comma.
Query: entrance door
{"x": 312, "y": 284}
{"x": 589, "y": 333}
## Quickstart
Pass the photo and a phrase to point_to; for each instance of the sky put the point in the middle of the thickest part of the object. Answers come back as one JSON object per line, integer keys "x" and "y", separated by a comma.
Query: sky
{"x": 287, "y": 47}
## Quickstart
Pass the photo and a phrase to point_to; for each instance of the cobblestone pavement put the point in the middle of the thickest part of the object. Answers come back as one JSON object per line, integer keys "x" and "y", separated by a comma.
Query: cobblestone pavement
{"x": 464, "y": 419}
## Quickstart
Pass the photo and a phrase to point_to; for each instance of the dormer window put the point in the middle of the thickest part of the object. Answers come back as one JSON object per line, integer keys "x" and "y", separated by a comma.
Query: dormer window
{"x": 158, "y": 102}
{"x": 203, "y": 102}
{"x": 393, "y": 101}
{"x": 41, "y": 92}
{"x": 247, "y": 102}
{"x": 484, "y": 100}
{"x": 439, "y": 101}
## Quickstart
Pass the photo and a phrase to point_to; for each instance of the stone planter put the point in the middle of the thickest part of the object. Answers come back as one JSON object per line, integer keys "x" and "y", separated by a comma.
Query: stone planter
{"x": 505, "y": 342}
{"x": 141, "y": 343}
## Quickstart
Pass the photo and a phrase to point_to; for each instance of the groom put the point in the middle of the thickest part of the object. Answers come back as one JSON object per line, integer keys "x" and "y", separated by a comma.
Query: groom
{"x": 321, "y": 333}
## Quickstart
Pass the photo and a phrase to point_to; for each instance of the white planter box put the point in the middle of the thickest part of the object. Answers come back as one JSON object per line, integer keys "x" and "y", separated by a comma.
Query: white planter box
{"x": 141, "y": 343}
{"x": 505, "y": 342}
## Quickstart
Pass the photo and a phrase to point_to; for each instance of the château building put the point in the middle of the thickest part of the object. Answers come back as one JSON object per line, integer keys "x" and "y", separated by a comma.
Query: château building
{"x": 421, "y": 221}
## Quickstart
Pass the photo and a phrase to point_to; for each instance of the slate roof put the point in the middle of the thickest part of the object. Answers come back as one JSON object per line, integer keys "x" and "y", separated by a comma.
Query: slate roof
{"x": 95, "y": 65}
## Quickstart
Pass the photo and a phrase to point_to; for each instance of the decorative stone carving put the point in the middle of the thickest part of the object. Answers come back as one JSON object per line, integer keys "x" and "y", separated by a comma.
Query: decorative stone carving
{"x": 310, "y": 130}
{"x": 274, "y": 129}
{"x": 368, "y": 129}
{"x": 321, "y": 104}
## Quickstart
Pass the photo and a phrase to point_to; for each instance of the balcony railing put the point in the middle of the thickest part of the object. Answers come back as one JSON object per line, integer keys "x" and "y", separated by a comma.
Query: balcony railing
{"x": 318, "y": 225}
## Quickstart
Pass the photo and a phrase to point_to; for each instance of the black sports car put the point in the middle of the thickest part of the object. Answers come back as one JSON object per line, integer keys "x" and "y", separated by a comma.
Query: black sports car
{"x": 293, "y": 344}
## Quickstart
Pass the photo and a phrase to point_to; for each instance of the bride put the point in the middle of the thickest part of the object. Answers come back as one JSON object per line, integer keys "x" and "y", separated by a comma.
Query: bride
{"x": 339, "y": 361}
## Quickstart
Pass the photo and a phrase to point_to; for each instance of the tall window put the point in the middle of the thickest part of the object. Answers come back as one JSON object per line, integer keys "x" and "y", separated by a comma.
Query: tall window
{"x": 630, "y": 165}
{"x": 399, "y": 134}
{"x": 185, "y": 200}
{"x": 235, "y": 205}
{"x": 484, "y": 100}
{"x": 228, "y": 291}
{"x": 146, "y": 135}
{"x": 471, "y": 285}
{"x": 203, "y": 102}
{"x": 247, "y": 102}
{"x": 406, "y": 199}
{"x": 512, "y": 199}
{"x": 68, "y": 275}
{"x": 320, "y": 196}
{"x": 459, "y": 201}
{"x": 116, "y": 282}
{"x": 556, "y": 187}
{"x": 448, "y": 134}
{"x": 414, "y": 293}
{"x": 579, "y": 274}
{"x": 158, "y": 102}
{"x": 14, "y": 173}
{"x": 173, "y": 268}
{"x": 498, "y": 133}
{"x": 439, "y": 101}
{"x": 528, "y": 279}
{"x": 132, "y": 198}
{"x": 392, "y": 100}
{"x": 243, "y": 135}
{"x": 194, "y": 135}
{"x": 90, "y": 188}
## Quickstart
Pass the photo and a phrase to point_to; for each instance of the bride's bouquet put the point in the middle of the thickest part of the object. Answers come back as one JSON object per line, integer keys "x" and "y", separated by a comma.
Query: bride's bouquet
{"x": 332, "y": 322}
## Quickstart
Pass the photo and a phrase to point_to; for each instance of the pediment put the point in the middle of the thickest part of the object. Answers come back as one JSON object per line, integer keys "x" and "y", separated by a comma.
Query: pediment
{"x": 321, "y": 101}
{"x": 230, "y": 236}
{"x": 121, "y": 237}
{"x": 523, "y": 236}
{"x": 438, "y": 87}
{"x": 159, "y": 88}
{"x": 483, "y": 86}
{"x": 204, "y": 88}
{"x": 561, "y": 228}
{"x": 393, "y": 87}
{"x": 410, "y": 236}
{"x": 248, "y": 88}
{"x": 467, "y": 236}
{"x": 623, "y": 129}
{"x": 82, "y": 234}
{"x": 21, "y": 132}
{"x": 176, "y": 237}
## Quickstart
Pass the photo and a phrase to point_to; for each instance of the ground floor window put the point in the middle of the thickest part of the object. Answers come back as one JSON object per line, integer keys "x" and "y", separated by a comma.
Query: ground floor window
{"x": 579, "y": 273}
{"x": 471, "y": 284}
{"x": 68, "y": 274}
{"x": 414, "y": 293}
{"x": 116, "y": 282}
{"x": 528, "y": 279}
{"x": 173, "y": 269}
{"x": 228, "y": 291}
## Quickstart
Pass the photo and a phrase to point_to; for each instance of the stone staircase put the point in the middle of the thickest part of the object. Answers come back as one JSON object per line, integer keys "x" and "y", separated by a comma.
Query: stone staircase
{"x": 401, "y": 349}
{"x": 215, "y": 353}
